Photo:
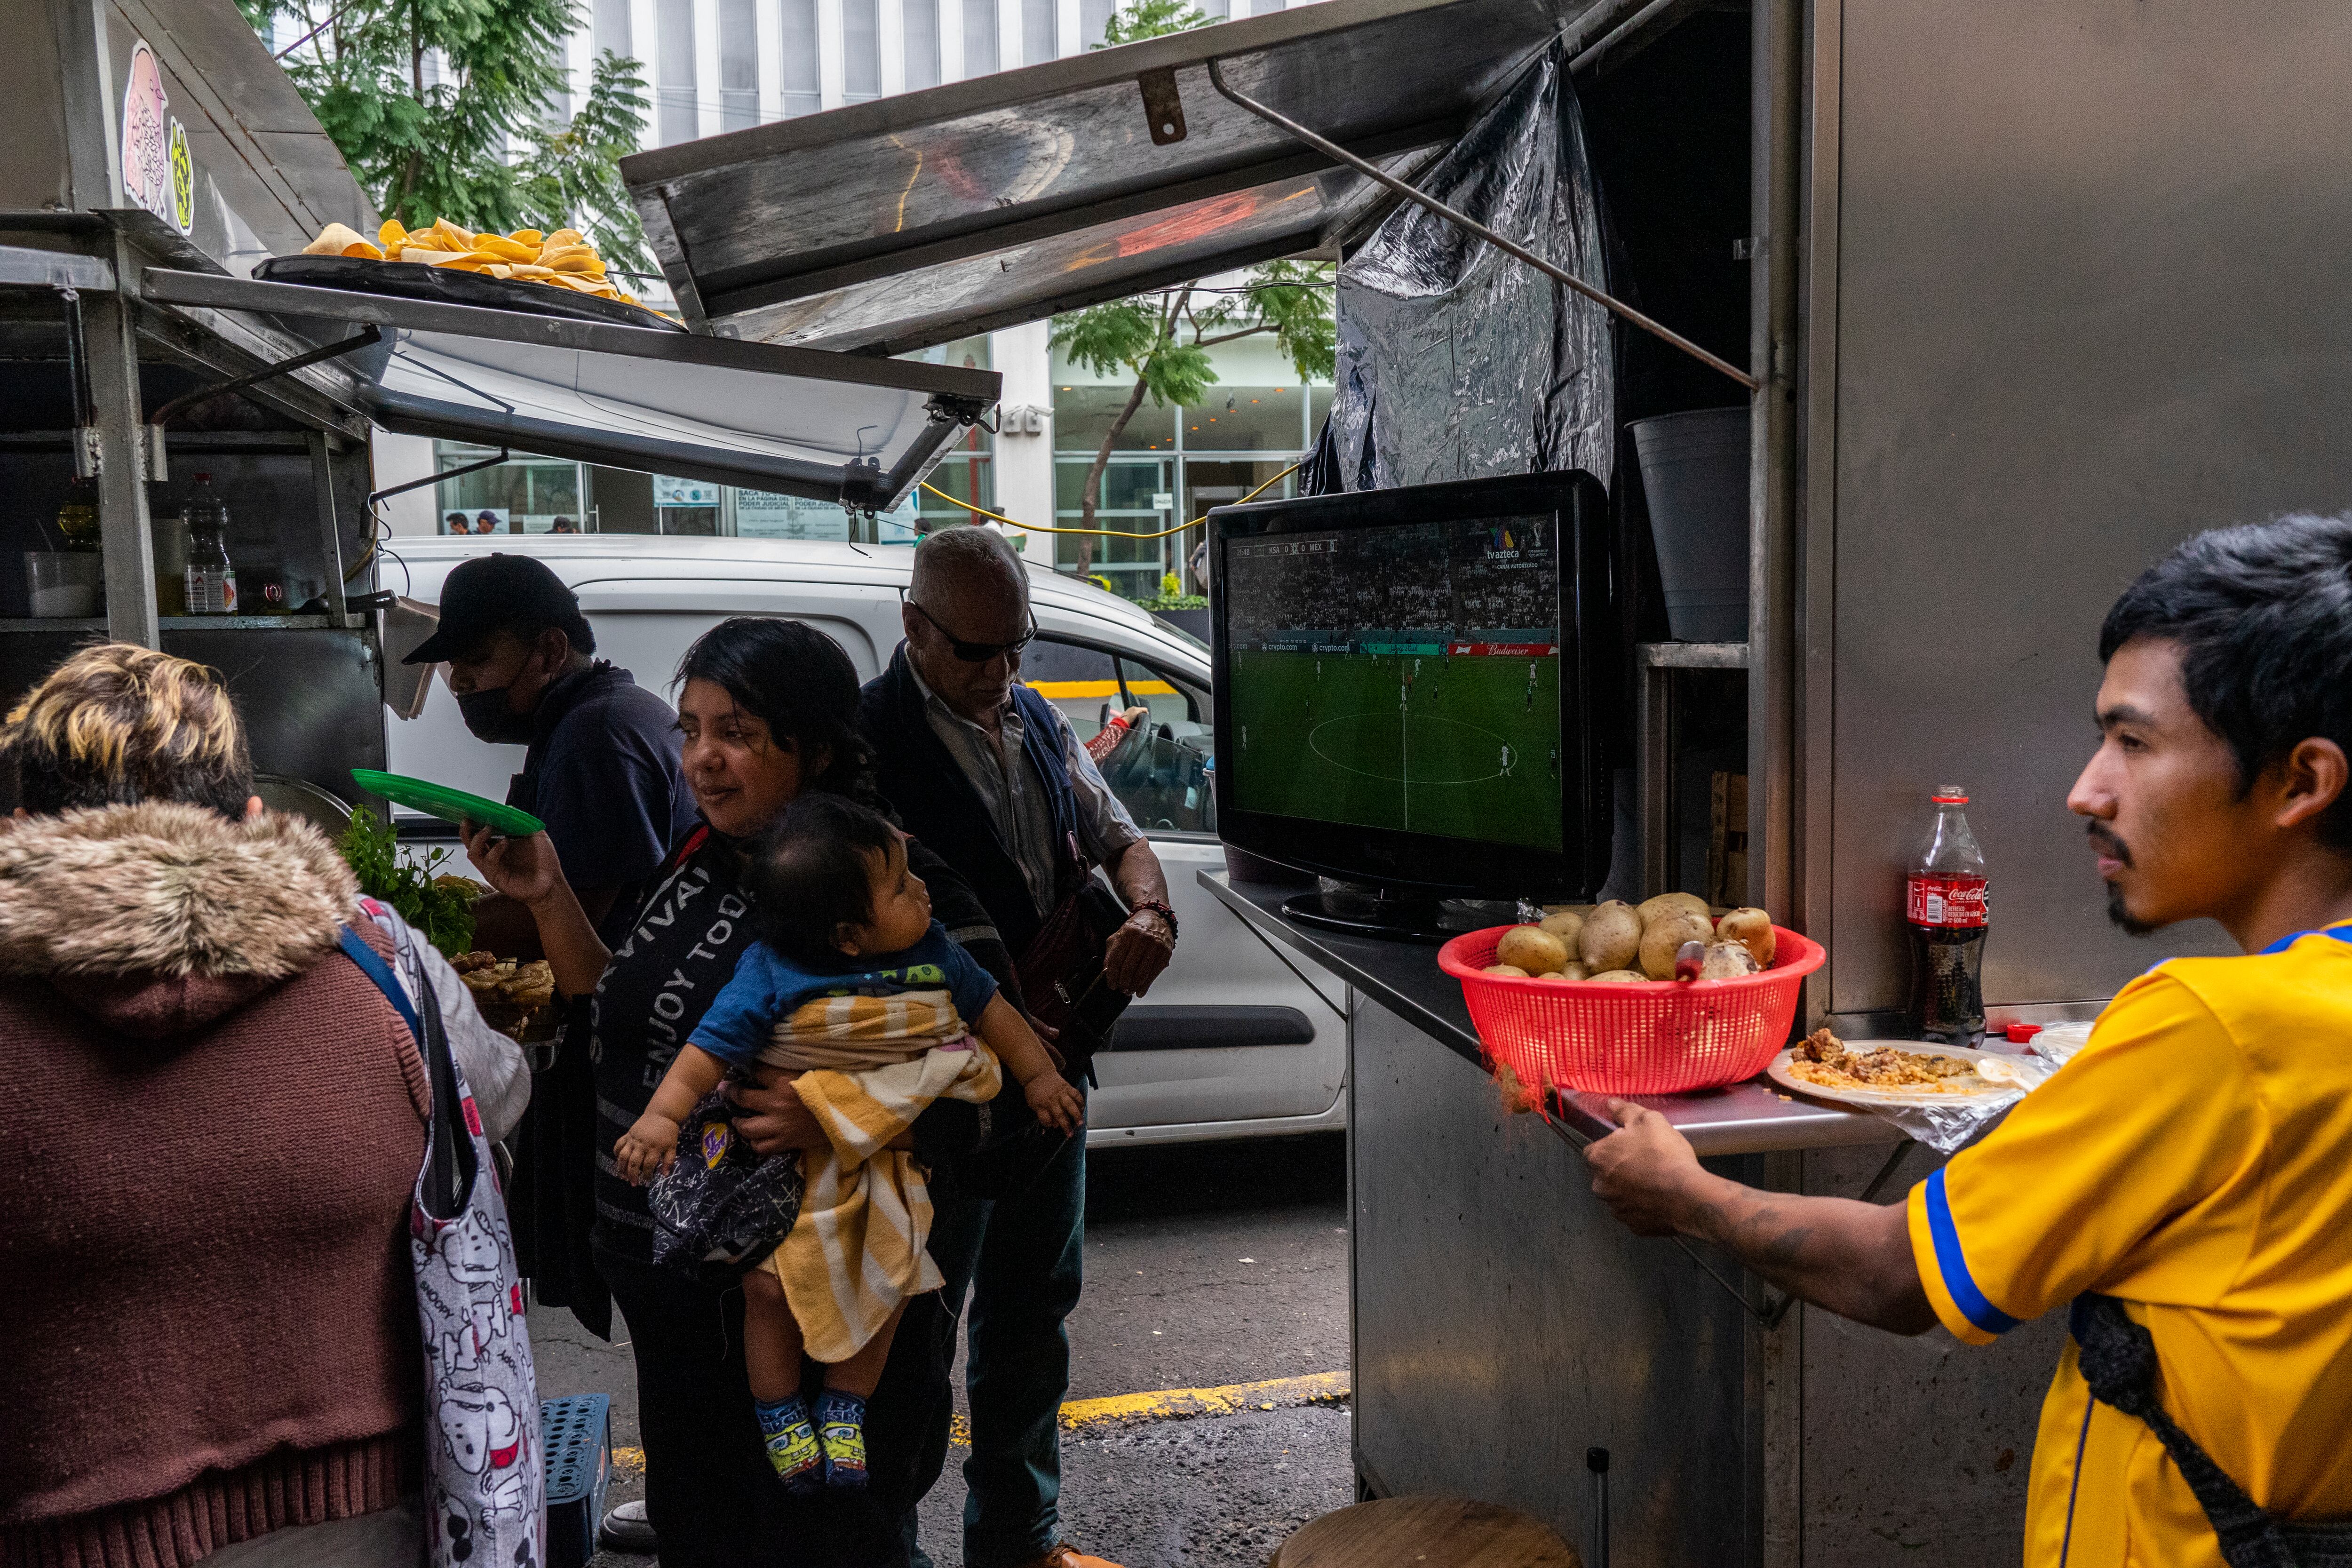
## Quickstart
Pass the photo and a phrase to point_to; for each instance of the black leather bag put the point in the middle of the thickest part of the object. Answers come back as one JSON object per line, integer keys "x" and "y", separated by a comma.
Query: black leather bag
{"x": 1062, "y": 979}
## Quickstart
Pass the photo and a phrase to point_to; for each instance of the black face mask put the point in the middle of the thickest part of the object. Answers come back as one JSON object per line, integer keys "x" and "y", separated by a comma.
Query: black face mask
{"x": 488, "y": 718}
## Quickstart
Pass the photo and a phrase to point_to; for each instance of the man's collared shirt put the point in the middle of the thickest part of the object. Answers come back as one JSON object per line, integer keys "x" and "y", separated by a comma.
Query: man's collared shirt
{"x": 1015, "y": 795}
{"x": 2193, "y": 1161}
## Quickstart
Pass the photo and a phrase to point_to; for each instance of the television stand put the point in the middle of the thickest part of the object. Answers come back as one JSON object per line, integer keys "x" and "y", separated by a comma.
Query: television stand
{"x": 1360, "y": 910}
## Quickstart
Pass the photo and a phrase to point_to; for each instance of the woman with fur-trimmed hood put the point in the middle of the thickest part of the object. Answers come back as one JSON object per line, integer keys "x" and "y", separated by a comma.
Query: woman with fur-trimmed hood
{"x": 213, "y": 1126}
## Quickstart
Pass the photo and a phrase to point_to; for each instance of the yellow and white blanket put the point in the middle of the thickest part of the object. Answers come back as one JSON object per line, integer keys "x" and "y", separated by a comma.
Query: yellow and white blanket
{"x": 869, "y": 1067}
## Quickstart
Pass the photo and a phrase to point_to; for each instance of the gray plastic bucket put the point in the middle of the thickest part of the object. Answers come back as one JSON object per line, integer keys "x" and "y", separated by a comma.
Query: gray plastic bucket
{"x": 1694, "y": 473}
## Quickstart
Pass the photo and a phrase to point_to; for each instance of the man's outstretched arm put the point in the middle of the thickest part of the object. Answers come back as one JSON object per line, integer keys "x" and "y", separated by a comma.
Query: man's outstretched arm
{"x": 1854, "y": 1258}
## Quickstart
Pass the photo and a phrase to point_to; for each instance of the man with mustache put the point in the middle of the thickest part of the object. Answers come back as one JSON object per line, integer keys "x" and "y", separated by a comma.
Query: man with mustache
{"x": 2185, "y": 1179}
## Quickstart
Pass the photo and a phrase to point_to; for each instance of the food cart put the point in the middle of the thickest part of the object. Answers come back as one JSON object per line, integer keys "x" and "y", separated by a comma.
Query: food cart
{"x": 2031, "y": 292}
{"x": 155, "y": 159}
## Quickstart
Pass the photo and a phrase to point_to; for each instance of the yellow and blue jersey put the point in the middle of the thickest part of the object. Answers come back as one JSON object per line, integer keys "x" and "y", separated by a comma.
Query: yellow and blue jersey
{"x": 2194, "y": 1161}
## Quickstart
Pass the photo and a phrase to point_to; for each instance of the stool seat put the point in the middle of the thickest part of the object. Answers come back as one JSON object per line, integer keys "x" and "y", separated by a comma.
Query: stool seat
{"x": 1425, "y": 1533}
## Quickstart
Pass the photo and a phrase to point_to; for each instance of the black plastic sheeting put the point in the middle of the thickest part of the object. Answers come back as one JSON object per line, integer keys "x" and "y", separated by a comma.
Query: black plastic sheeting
{"x": 1458, "y": 361}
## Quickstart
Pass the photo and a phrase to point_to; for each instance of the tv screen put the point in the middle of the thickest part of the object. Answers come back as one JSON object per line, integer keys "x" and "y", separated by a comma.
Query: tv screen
{"x": 1405, "y": 683}
{"x": 1403, "y": 676}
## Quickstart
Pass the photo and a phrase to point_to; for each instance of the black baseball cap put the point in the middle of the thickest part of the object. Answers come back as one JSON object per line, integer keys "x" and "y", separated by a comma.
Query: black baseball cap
{"x": 502, "y": 593}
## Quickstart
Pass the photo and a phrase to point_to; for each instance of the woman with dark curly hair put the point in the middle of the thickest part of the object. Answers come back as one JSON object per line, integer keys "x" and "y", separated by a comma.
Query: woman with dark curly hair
{"x": 768, "y": 710}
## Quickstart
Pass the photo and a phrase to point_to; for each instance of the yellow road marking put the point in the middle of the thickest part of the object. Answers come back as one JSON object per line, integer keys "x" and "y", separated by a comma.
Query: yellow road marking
{"x": 1160, "y": 1405}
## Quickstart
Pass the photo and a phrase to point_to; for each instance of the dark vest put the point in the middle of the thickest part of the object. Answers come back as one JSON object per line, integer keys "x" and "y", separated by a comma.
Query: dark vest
{"x": 921, "y": 778}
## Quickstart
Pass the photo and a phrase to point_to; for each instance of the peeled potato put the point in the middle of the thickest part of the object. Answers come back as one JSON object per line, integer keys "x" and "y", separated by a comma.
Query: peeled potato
{"x": 1531, "y": 948}
{"x": 1612, "y": 938}
{"x": 1752, "y": 929}
{"x": 1663, "y": 938}
{"x": 1568, "y": 926}
{"x": 1651, "y": 909}
{"x": 1621, "y": 977}
{"x": 1511, "y": 970}
{"x": 1727, "y": 961}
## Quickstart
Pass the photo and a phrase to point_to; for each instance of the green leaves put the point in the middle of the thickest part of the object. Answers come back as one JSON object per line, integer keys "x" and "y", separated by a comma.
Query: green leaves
{"x": 1152, "y": 19}
{"x": 371, "y": 848}
{"x": 441, "y": 108}
{"x": 572, "y": 177}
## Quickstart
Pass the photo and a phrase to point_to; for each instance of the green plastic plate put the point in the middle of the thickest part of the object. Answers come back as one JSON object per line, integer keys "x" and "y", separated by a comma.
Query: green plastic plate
{"x": 448, "y": 804}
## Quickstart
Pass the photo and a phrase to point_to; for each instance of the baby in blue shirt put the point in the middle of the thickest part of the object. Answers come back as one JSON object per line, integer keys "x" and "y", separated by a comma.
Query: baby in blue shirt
{"x": 856, "y": 988}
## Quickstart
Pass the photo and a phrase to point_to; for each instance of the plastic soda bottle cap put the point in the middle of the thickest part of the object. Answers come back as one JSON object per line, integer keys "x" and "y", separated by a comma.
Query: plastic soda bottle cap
{"x": 1950, "y": 795}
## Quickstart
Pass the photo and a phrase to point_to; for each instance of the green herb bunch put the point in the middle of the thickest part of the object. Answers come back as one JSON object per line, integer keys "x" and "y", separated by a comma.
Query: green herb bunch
{"x": 371, "y": 848}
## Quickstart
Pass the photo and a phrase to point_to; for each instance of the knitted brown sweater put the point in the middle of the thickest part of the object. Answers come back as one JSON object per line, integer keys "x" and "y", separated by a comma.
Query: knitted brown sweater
{"x": 213, "y": 1124}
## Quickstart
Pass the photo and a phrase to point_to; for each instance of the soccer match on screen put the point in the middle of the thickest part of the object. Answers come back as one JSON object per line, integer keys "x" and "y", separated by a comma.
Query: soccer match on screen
{"x": 1433, "y": 707}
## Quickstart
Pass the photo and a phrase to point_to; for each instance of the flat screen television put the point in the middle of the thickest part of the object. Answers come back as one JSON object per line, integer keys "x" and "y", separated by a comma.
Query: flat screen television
{"x": 1413, "y": 687}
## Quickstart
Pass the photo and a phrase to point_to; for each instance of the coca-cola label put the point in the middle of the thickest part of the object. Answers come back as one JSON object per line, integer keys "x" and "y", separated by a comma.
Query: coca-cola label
{"x": 1945, "y": 898}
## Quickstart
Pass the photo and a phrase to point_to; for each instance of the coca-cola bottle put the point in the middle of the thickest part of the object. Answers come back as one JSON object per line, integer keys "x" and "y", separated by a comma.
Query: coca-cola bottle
{"x": 1944, "y": 900}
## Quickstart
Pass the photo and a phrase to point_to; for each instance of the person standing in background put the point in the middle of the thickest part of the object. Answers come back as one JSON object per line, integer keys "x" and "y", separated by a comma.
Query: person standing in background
{"x": 601, "y": 768}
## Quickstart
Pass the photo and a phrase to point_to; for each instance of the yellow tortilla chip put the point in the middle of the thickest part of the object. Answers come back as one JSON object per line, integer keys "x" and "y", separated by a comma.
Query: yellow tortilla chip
{"x": 332, "y": 239}
{"x": 393, "y": 237}
{"x": 362, "y": 248}
{"x": 563, "y": 236}
{"x": 503, "y": 248}
{"x": 499, "y": 269}
{"x": 460, "y": 239}
{"x": 531, "y": 270}
{"x": 530, "y": 236}
{"x": 575, "y": 263}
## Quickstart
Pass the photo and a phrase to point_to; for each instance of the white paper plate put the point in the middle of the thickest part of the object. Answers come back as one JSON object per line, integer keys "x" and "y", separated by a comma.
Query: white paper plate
{"x": 1982, "y": 1090}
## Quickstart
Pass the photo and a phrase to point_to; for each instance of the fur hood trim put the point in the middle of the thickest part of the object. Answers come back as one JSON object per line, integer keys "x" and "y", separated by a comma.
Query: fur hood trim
{"x": 169, "y": 891}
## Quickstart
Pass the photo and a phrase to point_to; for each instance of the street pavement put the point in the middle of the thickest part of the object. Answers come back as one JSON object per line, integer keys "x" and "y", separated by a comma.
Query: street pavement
{"x": 1207, "y": 1415}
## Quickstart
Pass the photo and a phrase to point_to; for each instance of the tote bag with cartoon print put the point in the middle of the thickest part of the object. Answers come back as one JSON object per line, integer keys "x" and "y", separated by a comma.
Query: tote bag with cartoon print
{"x": 486, "y": 1483}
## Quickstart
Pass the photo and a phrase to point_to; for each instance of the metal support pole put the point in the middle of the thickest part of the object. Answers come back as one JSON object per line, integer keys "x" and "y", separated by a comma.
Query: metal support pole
{"x": 123, "y": 524}
{"x": 1469, "y": 224}
{"x": 322, "y": 487}
{"x": 1653, "y": 734}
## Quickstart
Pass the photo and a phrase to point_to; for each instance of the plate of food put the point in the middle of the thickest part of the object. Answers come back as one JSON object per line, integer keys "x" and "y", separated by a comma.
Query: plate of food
{"x": 515, "y": 998}
{"x": 1894, "y": 1072}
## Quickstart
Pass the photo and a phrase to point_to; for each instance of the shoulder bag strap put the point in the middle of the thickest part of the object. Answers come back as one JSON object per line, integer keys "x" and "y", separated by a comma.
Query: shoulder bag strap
{"x": 2118, "y": 1358}
{"x": 450, "y": 1167}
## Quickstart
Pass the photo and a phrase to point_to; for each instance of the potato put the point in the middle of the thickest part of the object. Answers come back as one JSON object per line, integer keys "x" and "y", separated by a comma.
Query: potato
{"x": 1567, "y": 976}
{"x": 1531, "y": 948}
{"x": 1612, "y": 938}
{"x": 1664, "y": 937}
{"x": 1651, "y": 909}
{"x": 1621, "y": 977}
{"x": 1568, "y": 926}
{"x": 1727, "y": 961}
{"x": 1511, "y": 970}
{"x": 1578, "y": 909}
{"x": 1752, "y": 929}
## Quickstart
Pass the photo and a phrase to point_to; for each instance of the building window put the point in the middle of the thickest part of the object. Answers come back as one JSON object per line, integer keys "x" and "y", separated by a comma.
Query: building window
{"x": 1037, "y": 29}
{"x": 920, "y": 19}
{"x": 1245, "y": 419}
{"x": 612, "y": 25}
{"x": 739, "y": 64}
{"x": 1083, "y": 416}
{"x": 861, "y": 44}
{"x": 1094, "y": 21}
{"x": 804, "y": 93}
{"x": 524, "y": 495}
{"x": 676, "y": 118}
{"x": 979, "y": 57}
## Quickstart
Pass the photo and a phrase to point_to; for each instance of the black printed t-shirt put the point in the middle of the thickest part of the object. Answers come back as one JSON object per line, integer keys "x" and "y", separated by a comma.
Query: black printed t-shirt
{"x": 691, "y": 928}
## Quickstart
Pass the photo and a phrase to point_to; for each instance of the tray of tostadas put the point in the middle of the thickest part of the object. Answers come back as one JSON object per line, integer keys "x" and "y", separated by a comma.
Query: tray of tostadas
{"x": 557, "y": 274}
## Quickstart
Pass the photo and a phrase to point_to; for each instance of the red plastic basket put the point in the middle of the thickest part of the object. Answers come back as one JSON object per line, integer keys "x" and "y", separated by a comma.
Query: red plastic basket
{"x": 1657, "y": 1037}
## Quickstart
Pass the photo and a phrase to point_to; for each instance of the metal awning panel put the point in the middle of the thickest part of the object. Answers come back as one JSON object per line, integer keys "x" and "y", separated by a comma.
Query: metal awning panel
{"x": 797, "y": 421}
{"x": 902, "y": 223}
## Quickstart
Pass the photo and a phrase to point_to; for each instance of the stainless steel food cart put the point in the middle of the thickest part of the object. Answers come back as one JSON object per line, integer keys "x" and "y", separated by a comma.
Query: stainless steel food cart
{"x": 154, "y": 157}
{"x": 2033, "y": 291}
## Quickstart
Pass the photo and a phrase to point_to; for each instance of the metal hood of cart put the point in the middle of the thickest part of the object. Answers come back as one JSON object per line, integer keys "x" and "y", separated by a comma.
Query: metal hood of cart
{"x": 798, "y": 422}
{"x": 896, "y": 225}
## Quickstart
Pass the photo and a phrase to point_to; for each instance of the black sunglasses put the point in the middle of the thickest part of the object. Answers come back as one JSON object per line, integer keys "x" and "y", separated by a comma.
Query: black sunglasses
{"x": 972, "y": 652}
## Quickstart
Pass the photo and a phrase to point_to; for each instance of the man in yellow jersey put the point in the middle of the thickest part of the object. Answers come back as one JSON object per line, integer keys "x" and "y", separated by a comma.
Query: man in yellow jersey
{"x": 2191, "y": 1169}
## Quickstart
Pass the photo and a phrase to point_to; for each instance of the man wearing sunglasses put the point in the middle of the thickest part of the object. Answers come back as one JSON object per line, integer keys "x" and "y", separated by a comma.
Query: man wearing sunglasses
{"x": 990, "y": 776}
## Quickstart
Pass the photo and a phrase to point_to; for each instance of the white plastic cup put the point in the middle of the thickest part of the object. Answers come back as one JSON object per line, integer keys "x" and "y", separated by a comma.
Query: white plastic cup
{"x": 65, "y": 584}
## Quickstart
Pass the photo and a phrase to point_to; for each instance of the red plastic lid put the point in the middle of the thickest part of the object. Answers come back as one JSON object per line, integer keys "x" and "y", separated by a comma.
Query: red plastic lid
{"x": 1950, "y": 794}
{"x": 2021, "y": 1034}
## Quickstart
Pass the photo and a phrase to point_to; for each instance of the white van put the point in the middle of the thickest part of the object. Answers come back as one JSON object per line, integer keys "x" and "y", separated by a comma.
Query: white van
{"x": 1232, "y": 1040}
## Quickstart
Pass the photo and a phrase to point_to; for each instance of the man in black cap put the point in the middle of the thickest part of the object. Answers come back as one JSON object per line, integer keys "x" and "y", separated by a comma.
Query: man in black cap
{"x": 602, "y": 768}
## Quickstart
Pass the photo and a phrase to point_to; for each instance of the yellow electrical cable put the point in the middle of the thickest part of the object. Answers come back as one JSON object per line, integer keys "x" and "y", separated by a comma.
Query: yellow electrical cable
{"x": 1098, "y": 532}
